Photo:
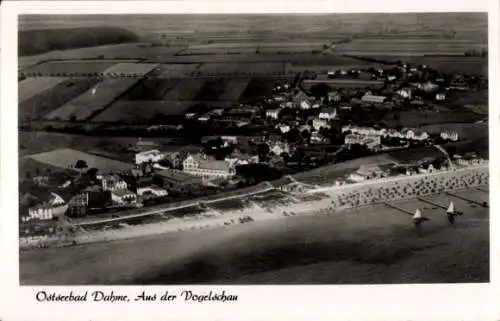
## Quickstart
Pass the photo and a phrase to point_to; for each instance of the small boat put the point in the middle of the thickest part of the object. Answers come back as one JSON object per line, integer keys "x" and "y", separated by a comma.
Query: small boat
{"x": 418, "y": 218}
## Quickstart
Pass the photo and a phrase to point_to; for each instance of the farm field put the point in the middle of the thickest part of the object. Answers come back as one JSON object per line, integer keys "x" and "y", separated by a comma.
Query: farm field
{"x": 212, "y": 89}
{"x": 130, "y": 69}
{"x": 129, "y": 51}
{"x": 234, "y": 89}
{"x": 92, "y": 101}
{"x": 407, "y": 47}
{"x": 69, "y": 68}
{"x": 249, "y": 69}
{"x": 186, "y": 89}
{"x": 51, "y": 99}
{"x": 151, "y": 89}
{"x": 32, "y": 86}
{"x": 137, "y": 111}
{"x": 66, "y": 158}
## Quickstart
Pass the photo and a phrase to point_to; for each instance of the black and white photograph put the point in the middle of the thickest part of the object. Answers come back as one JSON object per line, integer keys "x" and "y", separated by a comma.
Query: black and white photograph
{"x": 253, "y": 149}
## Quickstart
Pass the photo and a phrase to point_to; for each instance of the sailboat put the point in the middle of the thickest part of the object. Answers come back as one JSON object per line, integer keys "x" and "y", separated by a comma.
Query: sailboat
{"x": 418, "y": 218}
{"x": 451, "y": 210}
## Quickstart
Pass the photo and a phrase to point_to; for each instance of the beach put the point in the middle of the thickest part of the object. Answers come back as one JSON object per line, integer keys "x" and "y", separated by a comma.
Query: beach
{"x": 369, "y": 244}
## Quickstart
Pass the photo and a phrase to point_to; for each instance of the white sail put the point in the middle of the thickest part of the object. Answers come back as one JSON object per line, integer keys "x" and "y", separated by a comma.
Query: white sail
{"x": 418, "y": 214}
{"x": 451, "y": 208}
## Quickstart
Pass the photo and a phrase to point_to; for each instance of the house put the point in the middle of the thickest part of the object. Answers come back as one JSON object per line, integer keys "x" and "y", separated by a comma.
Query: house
{"x": 405, "y": 93}
{"x": 273, "y": 113}
{"x": 147, "y": 187}
{"x": 302, "y": 100}
{"x": 279, "y": 147}
{"x": 190, "y": 115}
{"x": 414, "y": 134}
{"x": 373, "y": 99}
{"x": 202, "y": 166}
{"x": 48, "y": 207}
{"x": 429, "y": 87}
{"x": 153, "y": 155}
{"x": 371, "y": 142}
{"x": 334, "y": 97}
{"x": 320, "y": 123}
{"x": 123, "y": 196}
{"x": 283, "y": 128}
{"x": 367, "y": 172}
{"x": 449, "y": 135}
{"x": 317, "y": 138}
{"x": 328, "y": 113}
{"x": 112, "y": 183}
{"x": 440, "y": 96}
{"x": 238, "y": 158}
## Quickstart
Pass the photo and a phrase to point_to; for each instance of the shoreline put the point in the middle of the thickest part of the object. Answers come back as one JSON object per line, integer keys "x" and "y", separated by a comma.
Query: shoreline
{"x": 214, "y": 219}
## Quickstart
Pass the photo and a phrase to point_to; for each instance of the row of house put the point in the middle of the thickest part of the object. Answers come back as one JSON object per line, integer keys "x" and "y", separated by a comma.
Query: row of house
{"x": 405, "y": 133}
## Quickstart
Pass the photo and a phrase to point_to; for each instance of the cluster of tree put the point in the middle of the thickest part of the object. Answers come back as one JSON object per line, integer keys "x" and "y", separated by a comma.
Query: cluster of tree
{"x": 257, "y": 173}
{"x": 476, "y": 53}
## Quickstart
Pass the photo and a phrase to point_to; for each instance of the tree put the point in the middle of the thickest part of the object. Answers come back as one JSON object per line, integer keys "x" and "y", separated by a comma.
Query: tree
{"x": 80, "y": 164}
{"x": 263, "y": 151}
{"x": 319, "y": 90}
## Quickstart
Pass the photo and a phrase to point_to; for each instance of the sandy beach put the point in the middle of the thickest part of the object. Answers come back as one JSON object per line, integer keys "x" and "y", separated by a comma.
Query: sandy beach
{"x": 368, "y": 244}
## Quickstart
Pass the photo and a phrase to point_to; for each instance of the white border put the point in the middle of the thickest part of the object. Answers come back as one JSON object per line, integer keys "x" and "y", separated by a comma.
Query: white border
{"x": 397, "y": 302}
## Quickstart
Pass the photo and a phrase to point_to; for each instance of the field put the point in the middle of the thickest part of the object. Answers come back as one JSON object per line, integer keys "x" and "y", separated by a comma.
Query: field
{"x": 150, "y": 89}
{"x": 177, "y": 70}
{"x": 366, "y": 245}
{"x": 51, "y": 99}
{"x": 212, "y": 89}
{"x": 31, "y": 87}
{"x": 238, "y": 69}
{"x": 186, "y": 89}
{"x": 234, "y": 204}
{"x": 416, "y": 154}
{"x": 343, "y": 83}
{"x": 234, "y": 89}
{"x": 137, "y": 111}
{"x": 67, "y": 158}
{"x": 92, "y": 101}
{"x": 407, "y": 47}
{"x": 130, "y": 69}
{"x": 69, "y": 68}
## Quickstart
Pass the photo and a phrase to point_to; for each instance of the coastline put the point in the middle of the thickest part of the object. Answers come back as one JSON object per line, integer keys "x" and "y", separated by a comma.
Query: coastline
{"x": 214, "y": 219}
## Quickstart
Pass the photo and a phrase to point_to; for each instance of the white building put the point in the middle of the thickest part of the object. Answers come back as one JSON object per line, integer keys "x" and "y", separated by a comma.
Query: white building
{"x": 284, "y": 128}
{"x": 200, "y": 165}
{"x": 334, "y": 97}
{"x": 449, "y": 135}
{"x": 320, "y": 123}
{"x": 272, "y": 113}
{"x": 47, "y": 210}
{"x": 440, "y": 96}
{"x": 372, "y": 99}
{"x": 113, "y": 183}
{"x": 159, "y": 192}
{"x": 328, "y": 114}
{"x": 279, "y": 147}
{"x": 153, "y": 155}
{"x": 405, "y": 93}
{"x": 123, "y": 196}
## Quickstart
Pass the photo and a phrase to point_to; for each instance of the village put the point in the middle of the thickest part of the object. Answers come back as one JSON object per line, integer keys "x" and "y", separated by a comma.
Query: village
{"x": 321, "y": 119}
